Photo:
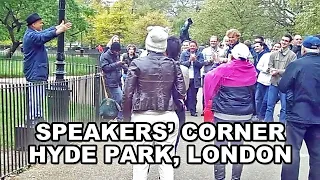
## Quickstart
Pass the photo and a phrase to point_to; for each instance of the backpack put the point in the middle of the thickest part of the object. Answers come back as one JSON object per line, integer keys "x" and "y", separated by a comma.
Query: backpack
{"x": 109, "y": 108}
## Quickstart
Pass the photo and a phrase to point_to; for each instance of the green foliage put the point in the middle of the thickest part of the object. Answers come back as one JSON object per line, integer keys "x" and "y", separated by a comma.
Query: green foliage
{"x": 143, "y": 7}
{"x": 95, "y": 22}
{"x": 113, "y": 21}
{"x": 17, "y": 11}
{"x": 218, "y": 16}
{"x": 308, "y": 22}
{"x": 138, "y": 30}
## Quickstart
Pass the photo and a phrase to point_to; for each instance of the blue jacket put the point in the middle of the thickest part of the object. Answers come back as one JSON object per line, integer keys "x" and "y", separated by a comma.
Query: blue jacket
{"x": 197, "y": 65}
{"x": 112, "y": 69}
{"x": 36, "y": 64}
{"x": 302, "y": 79}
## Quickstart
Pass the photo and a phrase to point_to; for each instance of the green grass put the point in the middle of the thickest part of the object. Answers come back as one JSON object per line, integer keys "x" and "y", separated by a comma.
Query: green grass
{"x": 13, "y": 113}
{"x": 75, "y": 65}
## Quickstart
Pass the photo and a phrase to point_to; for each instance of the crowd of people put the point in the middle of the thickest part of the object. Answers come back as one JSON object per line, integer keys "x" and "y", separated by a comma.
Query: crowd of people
{"x": 269, "y": 68}
{"x": 243, "y": 81}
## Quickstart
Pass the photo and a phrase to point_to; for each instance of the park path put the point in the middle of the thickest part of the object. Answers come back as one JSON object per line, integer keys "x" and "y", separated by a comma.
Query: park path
{"x": 184, "y": 172}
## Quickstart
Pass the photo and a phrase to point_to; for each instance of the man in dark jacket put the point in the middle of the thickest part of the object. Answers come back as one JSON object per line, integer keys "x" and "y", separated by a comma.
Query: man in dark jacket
{"x": 111, "y": 67}
{"x": 296, "y": 45}
{"x": 36, "y": 64}
{"x": 128, "y": 57}
{"x": 194, "y": 60}
{"x": 148, "y": 95}
{"x": 184, "y": 31}
{"x": 302, "y": 78}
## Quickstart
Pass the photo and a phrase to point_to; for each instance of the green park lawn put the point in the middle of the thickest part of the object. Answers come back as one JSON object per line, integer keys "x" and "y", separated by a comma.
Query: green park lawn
{"x": 75, "y": 65}
{"x": 13, "y": 113}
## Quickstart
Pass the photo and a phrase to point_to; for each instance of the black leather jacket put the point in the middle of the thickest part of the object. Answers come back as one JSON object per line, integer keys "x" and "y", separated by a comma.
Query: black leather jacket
{"x": 150, "y": 83}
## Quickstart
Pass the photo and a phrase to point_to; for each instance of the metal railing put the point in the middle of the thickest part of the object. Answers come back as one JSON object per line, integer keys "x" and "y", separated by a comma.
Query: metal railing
{"x": 23, "y": 104}
{"x": 76, "y": 64}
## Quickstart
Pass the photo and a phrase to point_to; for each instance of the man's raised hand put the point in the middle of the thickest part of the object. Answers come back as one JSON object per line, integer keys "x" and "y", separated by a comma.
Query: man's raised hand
{"x": 63, "y": 27}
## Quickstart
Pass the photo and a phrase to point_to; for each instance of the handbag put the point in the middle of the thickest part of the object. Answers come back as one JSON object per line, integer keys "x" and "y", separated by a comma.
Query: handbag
{"x": 109, "y": 108}
{"x": 208, "y": 113}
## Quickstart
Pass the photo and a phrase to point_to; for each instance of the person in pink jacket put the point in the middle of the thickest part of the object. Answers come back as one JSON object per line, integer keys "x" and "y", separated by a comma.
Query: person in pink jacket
{"x": 231, "y": 88}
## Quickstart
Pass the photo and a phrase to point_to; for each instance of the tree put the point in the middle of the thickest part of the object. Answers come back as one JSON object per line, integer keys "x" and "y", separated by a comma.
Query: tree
{"x": 308, "y": 22}
{"x": 138, "y": 30}
{"x": 142, "y": 7}
{"x": 14, "y": 12}
{"x": 114, "y": 20}
{"x": 218, "y": 16}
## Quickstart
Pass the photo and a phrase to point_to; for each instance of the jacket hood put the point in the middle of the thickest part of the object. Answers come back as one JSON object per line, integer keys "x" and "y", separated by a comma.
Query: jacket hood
{"x": 238, "y": 71}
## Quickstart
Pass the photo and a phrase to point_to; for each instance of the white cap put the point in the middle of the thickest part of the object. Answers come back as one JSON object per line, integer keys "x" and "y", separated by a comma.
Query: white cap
{"x": 240, "y": 51}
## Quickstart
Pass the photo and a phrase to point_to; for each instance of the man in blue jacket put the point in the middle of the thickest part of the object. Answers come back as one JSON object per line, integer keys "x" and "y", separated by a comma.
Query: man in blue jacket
{"x": 302, "y": 78}
{"x": 35, "y": 64}
{"x": 111, "y": 66}
{"x": 194, "y": 60}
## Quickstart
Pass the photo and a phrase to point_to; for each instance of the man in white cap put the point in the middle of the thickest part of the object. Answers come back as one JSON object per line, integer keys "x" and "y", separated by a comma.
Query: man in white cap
{"x": 148, "y": 95}
{"x": 231, "y": 88}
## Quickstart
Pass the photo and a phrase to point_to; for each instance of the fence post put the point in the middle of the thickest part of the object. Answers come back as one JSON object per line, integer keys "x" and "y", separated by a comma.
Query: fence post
{"x": 97, "y": 92}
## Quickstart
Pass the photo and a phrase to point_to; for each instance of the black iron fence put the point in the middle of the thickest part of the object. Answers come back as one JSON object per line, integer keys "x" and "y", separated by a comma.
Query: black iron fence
{"x": 23, "y": 104}
{"x": 76, "y": 64}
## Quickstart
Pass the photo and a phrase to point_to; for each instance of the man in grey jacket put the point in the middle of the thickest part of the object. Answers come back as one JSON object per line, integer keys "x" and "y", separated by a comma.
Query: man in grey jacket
{"x": 278, "y": 62}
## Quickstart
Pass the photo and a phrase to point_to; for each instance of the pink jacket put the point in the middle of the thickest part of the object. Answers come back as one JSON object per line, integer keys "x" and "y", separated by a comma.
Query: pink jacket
{"x": 236, "y": 73}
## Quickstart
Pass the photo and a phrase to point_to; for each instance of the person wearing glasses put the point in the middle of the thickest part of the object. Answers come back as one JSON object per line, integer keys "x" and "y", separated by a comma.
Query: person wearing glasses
{"x": 279, "y": 60}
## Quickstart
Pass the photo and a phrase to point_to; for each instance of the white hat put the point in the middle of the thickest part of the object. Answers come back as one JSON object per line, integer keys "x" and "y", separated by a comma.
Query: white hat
{"x": 240, "y": 51}
{"x": 156, "y": 40}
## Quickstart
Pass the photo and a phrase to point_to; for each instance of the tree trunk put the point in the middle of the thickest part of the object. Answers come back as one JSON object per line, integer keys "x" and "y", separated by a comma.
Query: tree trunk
{"x": 13, "y": 49}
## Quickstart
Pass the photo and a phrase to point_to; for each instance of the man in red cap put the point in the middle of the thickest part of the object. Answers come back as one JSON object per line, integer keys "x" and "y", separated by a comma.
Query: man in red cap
{"x": 36, "y": 64}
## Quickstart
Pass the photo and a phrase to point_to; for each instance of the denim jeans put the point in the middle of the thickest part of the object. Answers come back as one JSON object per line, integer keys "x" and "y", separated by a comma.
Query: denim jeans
{"x": 261, "y": 105}
{"x": 273, "y": 98}
{"x": 219, "y": 169}
{"x": 116, "y": 94}
{"x": 295, "y": 134}
{"x": 192, "y": 97}
{"x": 124, "y": 77}
{"x": 263, "y": 108}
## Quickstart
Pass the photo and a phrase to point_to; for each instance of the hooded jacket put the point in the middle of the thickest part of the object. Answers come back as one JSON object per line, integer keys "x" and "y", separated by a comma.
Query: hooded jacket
{"x": 111, "y": 68}
{"x": 231, "y": 88}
